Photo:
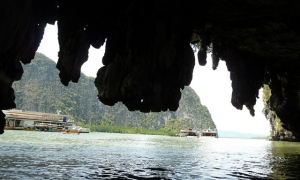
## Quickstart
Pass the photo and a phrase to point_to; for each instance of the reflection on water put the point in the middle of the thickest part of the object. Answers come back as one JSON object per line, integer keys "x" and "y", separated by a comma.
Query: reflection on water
{"x": 285, "y": 160}
{"x": 42, "y": 155}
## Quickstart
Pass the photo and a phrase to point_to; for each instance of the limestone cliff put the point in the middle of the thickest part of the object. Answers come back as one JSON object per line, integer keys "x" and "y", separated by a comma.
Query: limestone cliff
{"x": 40, "y": 90}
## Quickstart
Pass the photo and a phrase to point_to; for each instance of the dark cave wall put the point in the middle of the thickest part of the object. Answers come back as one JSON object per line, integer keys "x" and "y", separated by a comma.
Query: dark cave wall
{"x": 22, "y": 28}
{"x": 148, "y": 57}
{"x": 260, "y": 44}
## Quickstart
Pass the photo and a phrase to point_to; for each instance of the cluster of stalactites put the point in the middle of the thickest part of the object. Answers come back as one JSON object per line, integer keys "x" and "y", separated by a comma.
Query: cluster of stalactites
{"x": 246, "y": 75}
{"x": 148, "y": 58}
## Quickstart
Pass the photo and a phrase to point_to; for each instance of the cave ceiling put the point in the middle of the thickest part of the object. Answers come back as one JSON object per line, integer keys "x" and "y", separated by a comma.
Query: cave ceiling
{"x": 148, "y": 55}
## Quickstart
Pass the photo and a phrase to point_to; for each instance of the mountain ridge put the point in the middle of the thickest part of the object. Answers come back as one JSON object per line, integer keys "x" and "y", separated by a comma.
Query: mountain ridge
{"x": 40, "y": 90}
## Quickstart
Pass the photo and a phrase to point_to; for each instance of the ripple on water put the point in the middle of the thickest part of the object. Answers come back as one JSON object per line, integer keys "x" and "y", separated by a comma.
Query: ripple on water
{"x": 121, "y": 156}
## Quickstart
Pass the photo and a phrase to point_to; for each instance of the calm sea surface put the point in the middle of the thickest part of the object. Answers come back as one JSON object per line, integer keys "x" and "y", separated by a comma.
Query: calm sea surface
{"x": 45, "y": 155}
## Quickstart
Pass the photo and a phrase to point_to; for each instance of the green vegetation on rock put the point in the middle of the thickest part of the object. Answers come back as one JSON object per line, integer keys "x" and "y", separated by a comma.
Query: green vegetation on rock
{"x": 277, "y": 131}
{"x": 40, "y": 90}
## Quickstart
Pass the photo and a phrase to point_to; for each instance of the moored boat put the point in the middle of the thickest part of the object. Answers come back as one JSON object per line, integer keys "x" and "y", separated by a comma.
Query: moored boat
{"x": 202, "y": 133}
{"x": 46, "y": 127}
{"x": 188, "y": 133}
{"x": 208, "y": 133}
{"x": 84, "y": 130}
{"x": 71, "y": 132}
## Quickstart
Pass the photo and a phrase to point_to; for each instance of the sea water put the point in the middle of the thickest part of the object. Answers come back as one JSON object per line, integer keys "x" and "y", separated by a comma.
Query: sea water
{"x": 45, "y": 155}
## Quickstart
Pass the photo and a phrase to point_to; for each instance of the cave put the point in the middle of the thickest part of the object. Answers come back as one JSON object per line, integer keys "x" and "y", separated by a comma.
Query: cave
{"x": 149, "y": 51}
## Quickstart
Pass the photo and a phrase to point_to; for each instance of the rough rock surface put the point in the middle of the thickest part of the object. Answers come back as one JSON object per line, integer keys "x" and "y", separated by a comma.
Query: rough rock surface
{"x": 148, "y": 57}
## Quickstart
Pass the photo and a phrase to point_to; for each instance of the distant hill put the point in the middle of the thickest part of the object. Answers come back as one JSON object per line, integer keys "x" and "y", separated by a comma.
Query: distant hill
{"x": 40, "y": 90}
{"x": 233, "y": 134}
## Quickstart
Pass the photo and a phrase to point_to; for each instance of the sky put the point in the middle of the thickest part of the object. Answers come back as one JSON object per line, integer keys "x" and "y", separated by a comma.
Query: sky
{"x": 212, "y": 86}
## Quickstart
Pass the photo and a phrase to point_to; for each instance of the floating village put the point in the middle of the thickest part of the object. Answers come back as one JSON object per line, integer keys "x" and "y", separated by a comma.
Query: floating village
{"x": 38, "y": 121}
{"x": 49, "y": 122}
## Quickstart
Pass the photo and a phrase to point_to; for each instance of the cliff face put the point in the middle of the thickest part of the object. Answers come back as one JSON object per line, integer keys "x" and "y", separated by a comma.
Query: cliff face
{"x": 40, "y": 90}
{"x": 190, "y": 114}
{"x": 148, "y": 58}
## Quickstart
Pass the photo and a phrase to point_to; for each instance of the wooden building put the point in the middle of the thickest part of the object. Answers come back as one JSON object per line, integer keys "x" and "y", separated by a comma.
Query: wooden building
{"x": 18, "y": 120}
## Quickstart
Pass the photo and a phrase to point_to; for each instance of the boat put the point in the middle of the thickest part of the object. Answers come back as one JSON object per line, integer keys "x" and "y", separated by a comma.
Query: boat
{"x": 71, "y": 132}
{"x": 208, "y": 133}
{"x": 202, "y": 133}
{"x": 84, "y": 130}
{"x": 188, "y": 133}
{"x": 47, "y": 127}
{"x": 76, "y": 130}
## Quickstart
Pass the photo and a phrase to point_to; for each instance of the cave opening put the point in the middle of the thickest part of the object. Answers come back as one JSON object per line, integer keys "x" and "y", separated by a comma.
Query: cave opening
{"x": 212, "y": 86}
